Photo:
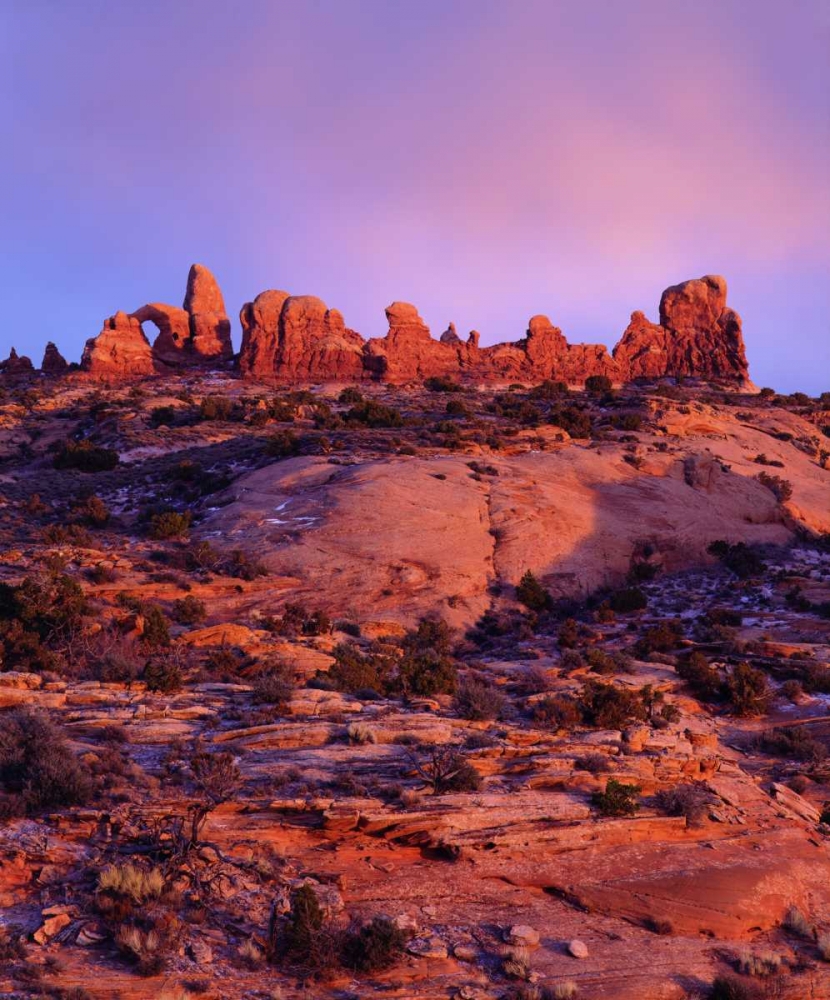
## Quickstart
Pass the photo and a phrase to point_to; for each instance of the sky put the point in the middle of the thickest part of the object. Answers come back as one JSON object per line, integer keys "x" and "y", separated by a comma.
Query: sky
{"x": 484, "y": 160}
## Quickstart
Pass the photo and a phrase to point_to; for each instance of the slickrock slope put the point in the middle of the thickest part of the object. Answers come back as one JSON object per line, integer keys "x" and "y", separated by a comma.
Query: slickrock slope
{"x": 288, "y": 338}
{"x": 609, "y": 781}
{"x": 410, "y": 536}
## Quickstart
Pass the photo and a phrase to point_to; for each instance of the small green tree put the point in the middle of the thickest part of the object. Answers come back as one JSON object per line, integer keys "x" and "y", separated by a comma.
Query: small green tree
{"x": 532, "y": 594}
{"x": 618, "y": 799}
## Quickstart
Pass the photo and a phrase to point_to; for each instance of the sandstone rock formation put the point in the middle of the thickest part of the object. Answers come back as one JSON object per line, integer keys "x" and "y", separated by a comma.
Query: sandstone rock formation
{"x": 697, "y": 335}
{"x": 195, "y": 335}
{"x": 53, "y": 362}
{"x": 120, "y": 351}
{"x": 16, "y": 364}
{"x": 300, "y": 335}
{"x": 210, "y": 328}
{"x": 298, "y": 338}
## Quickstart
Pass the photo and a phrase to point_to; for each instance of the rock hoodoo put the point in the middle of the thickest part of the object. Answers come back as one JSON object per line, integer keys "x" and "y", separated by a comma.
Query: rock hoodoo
{"x": 53, "y": 362}
{"x": 298, "y": 338}
{"x": 16, "y": 364}
{"x": 697, "y": 335}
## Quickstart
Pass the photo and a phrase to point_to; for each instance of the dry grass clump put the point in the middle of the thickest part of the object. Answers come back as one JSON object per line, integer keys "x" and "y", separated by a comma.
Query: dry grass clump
{"x": 137, "y": 884}
{"x": 759, "y": 963}
{"x": 797, "y": 923}
{"x": 361, "y": 734}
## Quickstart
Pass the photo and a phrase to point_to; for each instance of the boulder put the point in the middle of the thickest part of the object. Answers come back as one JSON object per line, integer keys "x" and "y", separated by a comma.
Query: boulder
{"x": 578, "y": 949}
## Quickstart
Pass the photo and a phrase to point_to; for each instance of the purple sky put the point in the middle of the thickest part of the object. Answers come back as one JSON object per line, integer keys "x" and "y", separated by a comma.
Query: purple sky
{"x": 484, "y": 160}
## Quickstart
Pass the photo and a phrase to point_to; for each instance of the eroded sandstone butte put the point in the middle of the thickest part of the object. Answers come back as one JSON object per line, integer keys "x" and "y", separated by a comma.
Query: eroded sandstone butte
{"x": 298, "y": 338}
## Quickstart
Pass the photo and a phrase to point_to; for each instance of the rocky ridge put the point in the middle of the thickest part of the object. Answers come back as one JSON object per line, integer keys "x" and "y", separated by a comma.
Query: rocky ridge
{"x": 298, "y": 338}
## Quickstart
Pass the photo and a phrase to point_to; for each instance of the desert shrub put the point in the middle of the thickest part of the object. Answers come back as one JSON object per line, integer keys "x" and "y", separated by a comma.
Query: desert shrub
{"x": 189, "y": 610}
{"x": 797, "y": 923}
{"x": 703, "y": 679}
{"x": 568, "y": 635}
{"x": 598, "y": 384}
{"x": 283, "y": 444}
{"x": 794, "y": 742}
{"x": 557, "y": 712}
{"x": 628, "y": 600}
{"x": 426, "y": 667}
{"x": 85, "y": 457}
{"x": 170, "y": 524}
{"x": 782, "y": 489}
{"x": 662, "y": 638}
{"x": 747, "y": 690}
{"x": 274, "y": 685}
{"x": 601, "y": 662}
{"x": 112, "y": 658}
{"x": 374, "y": 946}
{"x": 38, "y": 769}
{"x": 350, "y": 396}
{"x": 305, "y": 940}
{"x": 618, "y": 799}
{"x": 444, "y": 768}
{"x": 39, "y": 615}
{"x": 457, "y": 408}
{"x": 532, "y": 594}
{"x": 739, "y": 558}
{"x": 374, "y": 414}
{"x": 549, "y": 389}
{"x": 576, "y": 421}
{"x": 478, "y": 700}
{"x": 606, "y": 706}
{"x": 296, "y": 619}
{"x": 162, "y": 416}
{"x": 689, "y": 799}
{"x": 732, "y": 988}
{"x": 427, "y": 672}
{"x": 216, "y": 408}
{"x": 441, "y": 383}
{"x": 91, "y": 511}
{"x": 163, "y": 674}
{"x": 627, "y": 421}
{"x": 594, "y": 763}
{"x": 155, "y": 632}
{"x": 352, "y": 671}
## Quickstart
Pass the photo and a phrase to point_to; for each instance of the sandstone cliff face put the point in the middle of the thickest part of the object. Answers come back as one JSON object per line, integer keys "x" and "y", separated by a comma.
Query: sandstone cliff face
{"x": 299, "y": 338}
